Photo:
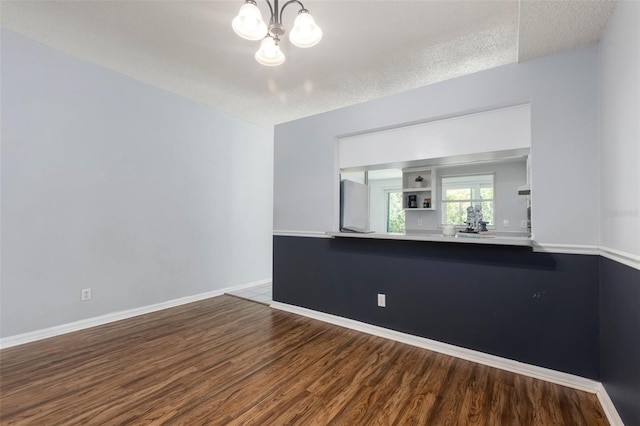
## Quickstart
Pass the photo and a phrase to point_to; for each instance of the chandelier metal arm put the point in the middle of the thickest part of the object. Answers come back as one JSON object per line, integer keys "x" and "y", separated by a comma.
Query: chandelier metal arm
{"x": 276, "y": 29}
{"x": 271, "y": 9}
{"x": 287, "y": 4}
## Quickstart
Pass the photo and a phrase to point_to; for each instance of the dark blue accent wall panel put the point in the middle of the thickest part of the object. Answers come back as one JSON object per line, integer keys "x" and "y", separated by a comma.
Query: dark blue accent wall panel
{"x": 620, "y": 337}
{"x": 536, "y": 308}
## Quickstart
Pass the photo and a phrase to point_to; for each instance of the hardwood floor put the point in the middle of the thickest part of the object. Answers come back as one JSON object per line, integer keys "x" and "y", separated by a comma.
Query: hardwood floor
{"x": 227, "y": 361}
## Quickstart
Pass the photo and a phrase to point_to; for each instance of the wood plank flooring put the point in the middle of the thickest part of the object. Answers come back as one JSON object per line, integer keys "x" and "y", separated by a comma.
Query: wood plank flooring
{"x": 227, "y": 361}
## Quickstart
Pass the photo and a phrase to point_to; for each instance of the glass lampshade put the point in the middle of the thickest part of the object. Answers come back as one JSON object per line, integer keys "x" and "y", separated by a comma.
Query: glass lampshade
{"x": 305, "y": 32}
{"x": 249, "y": 24}
{"x": 269, "y": 53}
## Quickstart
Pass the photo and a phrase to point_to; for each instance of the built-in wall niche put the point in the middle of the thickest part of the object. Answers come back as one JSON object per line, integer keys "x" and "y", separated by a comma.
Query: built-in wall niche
{"x": 419, "y": 189}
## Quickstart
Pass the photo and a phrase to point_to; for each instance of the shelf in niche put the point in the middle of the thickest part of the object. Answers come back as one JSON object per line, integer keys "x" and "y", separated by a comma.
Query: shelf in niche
{"x": 418, "y": 193}
{"x": 416, "y": 189}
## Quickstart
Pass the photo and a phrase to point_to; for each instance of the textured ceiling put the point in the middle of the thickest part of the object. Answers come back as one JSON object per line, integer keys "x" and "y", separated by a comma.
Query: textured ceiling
{"x": 370, "y": 49}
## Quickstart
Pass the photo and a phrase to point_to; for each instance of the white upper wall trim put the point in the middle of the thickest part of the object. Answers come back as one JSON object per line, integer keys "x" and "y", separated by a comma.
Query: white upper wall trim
{"x": 565, "y": 248}
{"x": 496, "y": 130}
{"x": 620, "y": 256}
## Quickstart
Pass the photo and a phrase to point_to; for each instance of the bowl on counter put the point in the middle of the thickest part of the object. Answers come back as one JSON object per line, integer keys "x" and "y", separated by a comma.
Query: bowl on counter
{"x": 448, "y": 230}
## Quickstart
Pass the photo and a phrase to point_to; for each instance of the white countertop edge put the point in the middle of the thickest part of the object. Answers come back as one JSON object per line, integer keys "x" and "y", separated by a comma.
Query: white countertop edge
{"x": 310, "y": 234}
{"x": 500, "y": 241}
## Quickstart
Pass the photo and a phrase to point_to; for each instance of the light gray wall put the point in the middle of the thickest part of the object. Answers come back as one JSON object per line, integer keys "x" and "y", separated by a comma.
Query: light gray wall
{"x": 619, "y": 56}
{"x": 508, "y": 204}
{"x": 562, "y": 90}
{"x": 112, "y": 184}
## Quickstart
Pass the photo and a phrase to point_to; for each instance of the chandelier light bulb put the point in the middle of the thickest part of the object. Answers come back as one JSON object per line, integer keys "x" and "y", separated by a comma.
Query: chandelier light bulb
{"x": 269, "y": 53}
{"x": 249, "y": 24}
{"x": 305, "y": 32}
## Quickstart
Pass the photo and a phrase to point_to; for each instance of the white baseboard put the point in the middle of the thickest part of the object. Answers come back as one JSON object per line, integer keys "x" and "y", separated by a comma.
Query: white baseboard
{"x": 246, "y": 285}
{"x": 564, "y": 379}
{"x": 517, "y": 367}
{"x": 608, "y": 407}
{"x": 553, "y": 376}
{"x": 32, "y": 336}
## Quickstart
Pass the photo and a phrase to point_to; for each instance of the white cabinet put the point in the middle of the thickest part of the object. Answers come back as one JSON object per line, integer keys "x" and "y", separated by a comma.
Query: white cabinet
{"x": 419, "y": 189}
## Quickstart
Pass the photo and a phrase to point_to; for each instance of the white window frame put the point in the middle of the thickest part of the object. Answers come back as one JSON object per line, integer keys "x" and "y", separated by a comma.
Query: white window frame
{"x": 388, "y": 191}
{"x": 477, "y": 186}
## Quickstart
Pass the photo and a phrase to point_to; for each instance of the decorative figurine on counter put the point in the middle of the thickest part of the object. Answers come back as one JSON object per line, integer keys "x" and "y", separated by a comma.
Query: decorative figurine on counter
{"x": 478, "y": 216}
{"x": 474, "y": 219}
{"x": 471, "y": 219}
{"x": 482, "y": 225}
{"x": 476, "y": 227}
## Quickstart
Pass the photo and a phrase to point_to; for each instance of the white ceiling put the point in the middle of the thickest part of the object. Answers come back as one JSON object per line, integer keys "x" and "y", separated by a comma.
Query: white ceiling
{"x": 370, "y": 48}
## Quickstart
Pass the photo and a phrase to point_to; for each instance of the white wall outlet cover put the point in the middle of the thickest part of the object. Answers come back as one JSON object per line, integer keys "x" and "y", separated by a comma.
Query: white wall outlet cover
{"x": 505, "y": 223}
{"x": 85, "y": 294}
{"x": 382, "y": 300}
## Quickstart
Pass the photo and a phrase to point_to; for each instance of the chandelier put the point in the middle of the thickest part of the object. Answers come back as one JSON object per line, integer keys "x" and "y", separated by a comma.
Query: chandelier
{"x": 249, "y": 25}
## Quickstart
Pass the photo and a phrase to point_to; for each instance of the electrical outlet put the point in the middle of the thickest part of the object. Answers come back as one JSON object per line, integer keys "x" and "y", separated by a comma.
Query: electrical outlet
{"x": 382, "y": 300}
{"x": 523, "y": 224}
{"x": 85, "y": 294}
{"x": 505, "y": 223}
{"x": 419, "y": 222}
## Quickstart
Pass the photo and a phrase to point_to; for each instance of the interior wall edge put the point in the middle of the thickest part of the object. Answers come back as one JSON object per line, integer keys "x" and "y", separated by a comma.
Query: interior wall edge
{"x": 608, "y": 406}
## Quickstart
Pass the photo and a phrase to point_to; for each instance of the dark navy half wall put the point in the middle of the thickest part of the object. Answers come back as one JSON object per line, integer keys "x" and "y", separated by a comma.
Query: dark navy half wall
{"x": 537, "y": 308}
{"x": 620, "y": 337}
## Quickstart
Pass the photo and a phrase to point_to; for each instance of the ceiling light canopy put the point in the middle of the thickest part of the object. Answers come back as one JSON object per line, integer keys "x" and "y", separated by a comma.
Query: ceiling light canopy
{"x": 249, "y": 25}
